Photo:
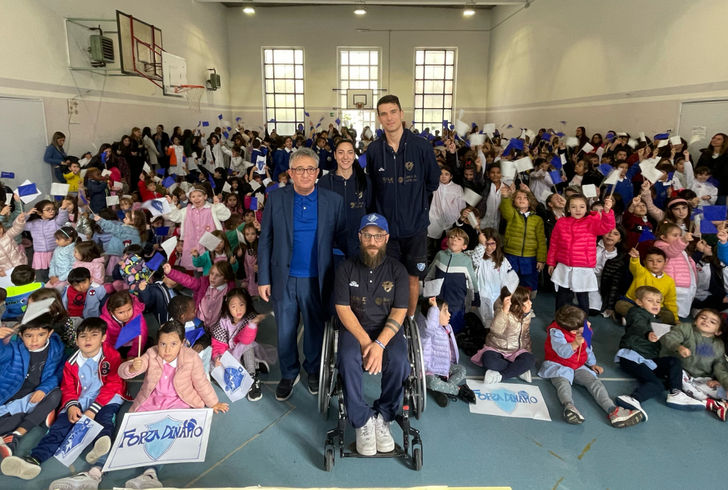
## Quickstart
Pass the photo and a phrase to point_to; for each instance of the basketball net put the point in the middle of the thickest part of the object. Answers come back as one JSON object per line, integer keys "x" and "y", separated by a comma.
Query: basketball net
{"x": 360, "y": 105}
{"x": 193, "y": 94}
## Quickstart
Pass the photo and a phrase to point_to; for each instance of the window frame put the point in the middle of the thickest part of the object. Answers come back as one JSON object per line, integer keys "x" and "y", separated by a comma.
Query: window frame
{"x": 433, "y": 125}
{"x": 275, "y": 108}
{"x": 339, "y": 80}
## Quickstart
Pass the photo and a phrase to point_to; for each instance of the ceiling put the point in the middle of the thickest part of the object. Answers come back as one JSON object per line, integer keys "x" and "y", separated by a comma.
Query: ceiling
{"x": 484, "y": 5}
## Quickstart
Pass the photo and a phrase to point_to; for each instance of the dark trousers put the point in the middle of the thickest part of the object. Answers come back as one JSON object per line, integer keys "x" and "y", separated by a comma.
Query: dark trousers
{"x": 496, "y": 362}
{"x": 651, "y": 382}
{"x": 457, "y": 318}
{"x": 29, "y": 421}
{"x": 58, "y": 432}
{"x": 564, "y": 296}
{"x": 301, "y": 298}
{"x": 395, "y": 369}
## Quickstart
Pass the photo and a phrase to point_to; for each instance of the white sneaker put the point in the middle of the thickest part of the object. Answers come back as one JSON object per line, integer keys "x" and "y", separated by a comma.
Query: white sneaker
{"x": 86, "y": 480}
{"x": 148, "y": 479}
{"x": 492, "y": 377}
{"x": 18, "y": 467}
{"x": 385, "y": 442}
{"x": 366, "y": 440}
{"x": 526, "y": 376}
{"x": 101, "y": 447}
{"x": 681, "y": 401}
{"x": 630, "y": 403}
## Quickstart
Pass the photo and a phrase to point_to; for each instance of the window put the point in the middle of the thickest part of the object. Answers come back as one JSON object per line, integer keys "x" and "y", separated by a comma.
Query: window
{"x": 283, "y": 74}
{"x": 434, "y": 86}
{"x": 358, "y": 69}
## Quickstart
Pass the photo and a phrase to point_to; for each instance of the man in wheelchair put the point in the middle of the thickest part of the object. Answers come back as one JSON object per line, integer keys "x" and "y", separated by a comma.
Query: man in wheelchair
{"x": 372, "y": 294}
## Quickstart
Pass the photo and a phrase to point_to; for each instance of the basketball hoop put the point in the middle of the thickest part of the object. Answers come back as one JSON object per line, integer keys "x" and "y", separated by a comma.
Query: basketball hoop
{"x": 360, "y": 105}
{"x": 193, "y": 94}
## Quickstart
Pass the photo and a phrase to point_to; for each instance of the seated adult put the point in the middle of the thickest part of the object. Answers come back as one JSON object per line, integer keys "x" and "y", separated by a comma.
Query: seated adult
{"x": 372, "y": 294}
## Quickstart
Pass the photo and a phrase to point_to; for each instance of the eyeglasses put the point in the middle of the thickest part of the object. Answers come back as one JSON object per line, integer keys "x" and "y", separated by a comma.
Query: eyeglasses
{"x": 48, "y": 210}
{"x": 308, "y": 170}
{"x": 377, "y": 238}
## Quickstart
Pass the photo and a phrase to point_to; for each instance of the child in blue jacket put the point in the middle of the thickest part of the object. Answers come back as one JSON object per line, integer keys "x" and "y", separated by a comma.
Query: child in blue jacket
{"x": 31, "y": 369}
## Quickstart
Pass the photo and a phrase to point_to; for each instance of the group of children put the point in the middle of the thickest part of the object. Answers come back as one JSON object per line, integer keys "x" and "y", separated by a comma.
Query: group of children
{"x": 91, "y": 260}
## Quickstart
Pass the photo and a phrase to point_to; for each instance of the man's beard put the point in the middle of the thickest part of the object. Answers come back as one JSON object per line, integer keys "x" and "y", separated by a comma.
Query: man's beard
{"x": 374, "y": 261}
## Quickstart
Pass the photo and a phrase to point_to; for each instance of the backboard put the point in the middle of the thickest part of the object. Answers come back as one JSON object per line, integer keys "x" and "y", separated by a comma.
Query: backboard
{"x": 140, "y": 48}
{"x": 174, "y": 73}
{"x": 360, "y": 98}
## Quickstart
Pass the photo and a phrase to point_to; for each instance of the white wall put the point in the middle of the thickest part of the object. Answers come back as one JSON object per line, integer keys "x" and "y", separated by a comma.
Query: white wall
{"x": 577, "y": 60}
{"x": 319, "y": 30}
{"x": 34, "y": 64}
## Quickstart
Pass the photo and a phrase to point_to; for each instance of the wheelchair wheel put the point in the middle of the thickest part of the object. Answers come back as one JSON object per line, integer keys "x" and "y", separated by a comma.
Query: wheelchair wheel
{"x": 329, "y": 458}
{"x": 326, "y": 370}
{"x": 417, "y": 458}
{"x": 419, "y": 385}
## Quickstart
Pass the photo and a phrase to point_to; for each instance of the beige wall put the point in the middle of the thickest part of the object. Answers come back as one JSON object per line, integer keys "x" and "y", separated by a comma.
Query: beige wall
{"x": 319, "y": 30}
{"x": 577, "y": 60}
{"x": 34, "y": 64}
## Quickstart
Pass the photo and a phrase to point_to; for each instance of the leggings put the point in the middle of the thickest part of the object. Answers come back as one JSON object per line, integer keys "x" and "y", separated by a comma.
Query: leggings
{"x": 451, "y": 386}
{"x": 564, "y": 296}
{"x": 508, "y": 369}
{"x": 584, "y": 378}
{"x": 248, "y": 361}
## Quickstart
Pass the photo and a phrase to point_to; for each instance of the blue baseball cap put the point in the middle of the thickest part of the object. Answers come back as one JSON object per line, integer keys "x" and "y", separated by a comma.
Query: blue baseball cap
{"x": 374, "y": 219}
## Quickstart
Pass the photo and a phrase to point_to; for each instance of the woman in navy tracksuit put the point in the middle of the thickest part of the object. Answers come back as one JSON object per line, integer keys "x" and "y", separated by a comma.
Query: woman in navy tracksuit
{"x": 55, "y": 155}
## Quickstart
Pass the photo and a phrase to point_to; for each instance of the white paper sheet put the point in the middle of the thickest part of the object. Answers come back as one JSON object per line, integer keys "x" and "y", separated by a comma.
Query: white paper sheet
{"x": 84, "y": 161}
{"x": 587, "y": 148}
{"x": 112, "y": 200}
{"x": 147, "y": 168}
{"x": 254, "y": 185}
{"x": 642, "y": 136}
{"x": 662, "y": 143}
{"x": 473, "y": 220}
{"x": 476, "y": 139}
{"x": 59, "y": 189}
{"x": 105, "y": 173}
{"x": 471, "y": 197}
{"x": 612, "y": 178}
{"x": 489, "y": 129}
{"x": 232, "y": 377}
{"x": 226, "y": 187}
{"x": 523, "y": 164}
{"x": 117, "y": 186}
{"x": 652, "y": 174}
{"x": 209, "y": 241}
{"x": 509, "y": 400}
{"x": 660, "y": 329}
{"x": 572, "y": 142}
{"x": 589, "y": 190}
{"x": 267, "y": 182}
{"x": 676, "y": 140}
{"x": 31, "y": 197}
{"x": 461, "y": 128}
{"x": 632, "y": 143}
{"x": 158, "y": 206}
{"x": 82, "y": 434}
{"x": 531, "y": 135}
{"x": 169, "y": 245}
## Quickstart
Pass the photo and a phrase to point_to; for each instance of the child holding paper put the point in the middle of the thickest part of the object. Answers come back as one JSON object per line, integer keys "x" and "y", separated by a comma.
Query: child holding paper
{"x": 11, "y": 255}
{"x": 208, "y": 291}
{"x": 525, "y": 240}
{"x": 492, "y": 272}
{"x": 447, "y": 201}
{"x": 92, "y": 387}
{"x": 31, "y": 366}
{"x": 677, "y": 210}
{"x": 636, "y": 222}
{"x": 197, "y": 218}
{"x": 176, "y": 155}
{"x": 96, "y": 189}
{"x": 639, "y": 354}
{"x": 120, "y": 310}
{"x": 572, "y": 254}
{"x": 148, "y": 190}
{"x": 569, "y": 360}
{"x": 209, "y": 257}
{"x": 700, "y": 347}
{"x": 42, "y": 222}
{"x": 131, "y": 231}
{"x": 680, "y": 266}
{"x": 174, "y": 378}
{"x": 236, "y": 332}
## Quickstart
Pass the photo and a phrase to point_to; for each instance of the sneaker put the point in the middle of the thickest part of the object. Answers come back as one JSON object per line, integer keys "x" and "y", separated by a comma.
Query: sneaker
{"x": 718, "y": 407}
{"x": 313, "y": 383}
{"x": 254, "y": 394}
{"x": 366, "y": 439}
{"x": 572, "y": 415}
{"x": 50, "y": 418}
{"x": 526, "y": 376}
{"x": 26, "y": 469}
{"x": 148, "y": 479}
{"x": 621, "y": 417}
{"x": 492, "y": 377}
{"x": 624, "y": 321}
{"x": 440, "y": 398}
{"x": 263, "y": 367}
{"x": 8, "y": 444}
{"x": 466, "y": 394}
{"x": 385, "y": 442}
{"x": 679, "y": 400}
{"x": 101, "y": 447}
{"x": 630, "y": 403}
{"x": 285, "y": 388}
{"x": 86, "y": 480}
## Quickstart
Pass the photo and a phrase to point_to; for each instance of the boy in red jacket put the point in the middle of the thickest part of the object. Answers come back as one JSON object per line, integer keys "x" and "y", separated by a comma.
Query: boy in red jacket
{"x": 91, "y": 387}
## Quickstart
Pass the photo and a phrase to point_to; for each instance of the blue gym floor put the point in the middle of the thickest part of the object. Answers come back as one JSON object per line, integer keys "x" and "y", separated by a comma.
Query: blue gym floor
{"x": 270, "y": 443}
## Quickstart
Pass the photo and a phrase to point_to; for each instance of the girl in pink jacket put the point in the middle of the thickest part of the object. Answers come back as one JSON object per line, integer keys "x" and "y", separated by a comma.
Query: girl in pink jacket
{"x": 11, "y": 254}
{"x": 208, "y": 291}
{"x": 572, "y": 253}
{"x": 119, "y": 310}
{"x": 680, "y": 266}
{"x": 236, "y": 332}
{"x": 87, "y": 255}
{"x": 174, "y": 378}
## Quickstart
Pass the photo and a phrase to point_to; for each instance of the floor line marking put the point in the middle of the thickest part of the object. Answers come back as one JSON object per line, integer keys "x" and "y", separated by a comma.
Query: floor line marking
{"x": 558, "y": 483}
{"x": 586, "y": 449}
{"x": 546, "y": 379}
{"x": 191, "y": 483}
{"x": 556, "y": 455}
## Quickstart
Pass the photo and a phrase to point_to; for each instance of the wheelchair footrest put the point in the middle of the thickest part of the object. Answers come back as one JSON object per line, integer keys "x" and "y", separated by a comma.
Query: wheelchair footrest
{"x": 397, "y": 453}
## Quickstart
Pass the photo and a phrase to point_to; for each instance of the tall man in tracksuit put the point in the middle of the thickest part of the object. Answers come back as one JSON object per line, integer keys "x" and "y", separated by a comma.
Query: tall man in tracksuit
{"x": 404, "y": 174}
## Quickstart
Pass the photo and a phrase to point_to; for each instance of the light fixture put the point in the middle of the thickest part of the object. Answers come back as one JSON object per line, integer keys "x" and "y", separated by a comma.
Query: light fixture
{"x": 469, "y": 10}
{"x": 360, "y": 9}
{"x": 249, "y": 8}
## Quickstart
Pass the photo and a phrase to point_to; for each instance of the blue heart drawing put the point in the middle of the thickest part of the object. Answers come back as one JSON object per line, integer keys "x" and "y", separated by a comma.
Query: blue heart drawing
{"x": 504, "y": 399}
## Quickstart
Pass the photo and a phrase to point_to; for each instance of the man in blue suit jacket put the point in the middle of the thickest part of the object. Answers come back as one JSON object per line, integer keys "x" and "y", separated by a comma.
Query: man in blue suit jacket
{"x": 296, "y": 265}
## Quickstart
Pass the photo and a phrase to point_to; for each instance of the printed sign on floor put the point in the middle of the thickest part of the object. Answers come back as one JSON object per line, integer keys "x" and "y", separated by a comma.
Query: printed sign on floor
{"x": 164, "y": 437}
{"x": 81, "y": 435}
{"x": 232, "y": 377}
{"x": 509, "y": 400}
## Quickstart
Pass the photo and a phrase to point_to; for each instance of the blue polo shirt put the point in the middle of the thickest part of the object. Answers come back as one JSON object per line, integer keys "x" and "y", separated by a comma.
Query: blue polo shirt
{"x": 304, "y": 260}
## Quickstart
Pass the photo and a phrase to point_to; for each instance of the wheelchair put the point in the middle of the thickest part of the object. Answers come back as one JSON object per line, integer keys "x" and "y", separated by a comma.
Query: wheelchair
{"x": 414, "y": 399}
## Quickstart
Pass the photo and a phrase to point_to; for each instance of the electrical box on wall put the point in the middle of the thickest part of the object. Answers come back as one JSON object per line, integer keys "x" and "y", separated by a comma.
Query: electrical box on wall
{"x": 73, "y": 111}
{"x": 213, "y": 82}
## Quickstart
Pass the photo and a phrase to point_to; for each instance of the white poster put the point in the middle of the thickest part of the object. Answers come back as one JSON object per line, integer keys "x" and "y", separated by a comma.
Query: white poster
{"x": 82, "y": 434}
{"x": 232, "y": 377}
{"x": 509, "y": 400}
{"x": 164, "y": 437}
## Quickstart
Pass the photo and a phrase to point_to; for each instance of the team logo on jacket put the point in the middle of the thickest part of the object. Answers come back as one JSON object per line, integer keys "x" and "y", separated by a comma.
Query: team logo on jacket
{"x": 421, "y": 266}
{"x": 409, "y": 165}
{"x": 387, "y": 286}
{"x": 105, "y": 368}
